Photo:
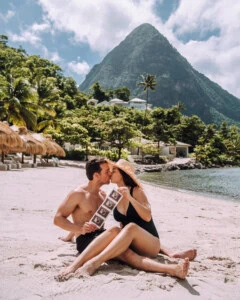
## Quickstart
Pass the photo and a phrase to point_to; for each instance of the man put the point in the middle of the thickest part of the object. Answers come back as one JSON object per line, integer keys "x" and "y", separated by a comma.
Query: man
{"x": 82, "y": 203}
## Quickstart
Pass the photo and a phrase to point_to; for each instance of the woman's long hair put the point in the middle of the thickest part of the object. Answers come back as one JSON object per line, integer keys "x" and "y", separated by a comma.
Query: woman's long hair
{"x": 128, "y": 181}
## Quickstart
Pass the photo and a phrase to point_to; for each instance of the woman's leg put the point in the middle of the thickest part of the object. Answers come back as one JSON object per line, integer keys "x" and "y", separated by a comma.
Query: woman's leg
{"x": 146, "y": 264}
{"x": 189, "y": 253}
{"x": 142, "y": 241}
{"x": 96, "y": 246}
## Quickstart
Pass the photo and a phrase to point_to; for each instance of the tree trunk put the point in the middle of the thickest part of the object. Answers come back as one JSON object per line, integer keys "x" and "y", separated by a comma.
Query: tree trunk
{"x": 34, "y": 158}
{"x": 2, "y": 157}
{"x": 86, "y": 153}
{"x": 22, "y": 158}
{"x": 146, "y": 107}
{"x": 119, "y": 152}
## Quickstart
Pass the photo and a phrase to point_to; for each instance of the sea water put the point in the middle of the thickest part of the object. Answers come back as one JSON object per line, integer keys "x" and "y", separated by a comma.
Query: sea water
{"x": 221, "y": 183}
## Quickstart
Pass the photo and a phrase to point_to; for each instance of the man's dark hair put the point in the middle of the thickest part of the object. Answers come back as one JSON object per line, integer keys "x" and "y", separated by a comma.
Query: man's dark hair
{"x": 128, "y": 181}
{"x": 94, "y": 166}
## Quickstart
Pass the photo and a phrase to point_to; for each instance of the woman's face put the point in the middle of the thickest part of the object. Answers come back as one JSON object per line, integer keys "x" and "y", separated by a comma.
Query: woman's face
{"x": 116, "y": 175}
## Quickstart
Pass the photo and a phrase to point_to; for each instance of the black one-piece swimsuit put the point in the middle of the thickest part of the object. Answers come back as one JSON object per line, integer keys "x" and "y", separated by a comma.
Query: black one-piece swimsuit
{"x": 133, "y": 217}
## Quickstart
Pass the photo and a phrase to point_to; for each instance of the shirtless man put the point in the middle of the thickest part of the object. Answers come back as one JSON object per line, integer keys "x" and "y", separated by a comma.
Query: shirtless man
{"x": 82, "y": 203}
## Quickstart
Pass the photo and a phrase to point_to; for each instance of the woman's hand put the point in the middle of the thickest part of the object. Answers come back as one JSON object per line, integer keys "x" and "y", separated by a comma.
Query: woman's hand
{"x": 125, "y": 192}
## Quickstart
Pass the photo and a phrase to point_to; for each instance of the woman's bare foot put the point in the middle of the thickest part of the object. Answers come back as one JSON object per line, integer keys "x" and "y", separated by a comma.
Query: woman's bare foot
{"x": 88, "y": 269}
{"x": 190, "y": 253}
{"x": 181, "y": 269}
{"x": 65, "y": 274}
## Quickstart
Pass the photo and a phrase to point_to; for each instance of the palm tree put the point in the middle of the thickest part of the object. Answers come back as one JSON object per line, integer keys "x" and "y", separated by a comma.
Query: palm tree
{"x": 48, "y": 98}
{"x": 148, "y": 82}
{"x": 19, "y": 102}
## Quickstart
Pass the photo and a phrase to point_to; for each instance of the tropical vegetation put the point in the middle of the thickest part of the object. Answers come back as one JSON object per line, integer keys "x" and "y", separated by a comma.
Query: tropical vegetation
{"x": 35, "y": 93}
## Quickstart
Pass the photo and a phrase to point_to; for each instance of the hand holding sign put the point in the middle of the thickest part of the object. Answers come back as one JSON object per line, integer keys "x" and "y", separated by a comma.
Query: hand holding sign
{"x": 107, "y": 206}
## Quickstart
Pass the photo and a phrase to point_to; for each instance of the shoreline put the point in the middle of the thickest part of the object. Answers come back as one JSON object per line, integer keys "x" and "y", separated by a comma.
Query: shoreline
{"x": 32, "y": 254}
{"x": 194, "y": 193}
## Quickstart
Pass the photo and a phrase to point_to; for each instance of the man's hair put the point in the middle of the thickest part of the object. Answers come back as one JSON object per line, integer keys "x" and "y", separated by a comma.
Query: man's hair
{"x": 94, "y": 166}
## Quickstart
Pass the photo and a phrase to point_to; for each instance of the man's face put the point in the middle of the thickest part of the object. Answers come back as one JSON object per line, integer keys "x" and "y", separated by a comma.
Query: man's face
{"x": 105, "y": 173}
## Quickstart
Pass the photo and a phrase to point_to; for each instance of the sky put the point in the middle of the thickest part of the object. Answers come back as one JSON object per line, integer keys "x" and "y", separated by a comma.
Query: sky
{"x": 77, "y": 34}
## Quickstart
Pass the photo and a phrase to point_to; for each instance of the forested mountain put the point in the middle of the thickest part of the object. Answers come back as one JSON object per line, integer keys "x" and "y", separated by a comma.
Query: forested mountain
{"x": 145, "y": 50}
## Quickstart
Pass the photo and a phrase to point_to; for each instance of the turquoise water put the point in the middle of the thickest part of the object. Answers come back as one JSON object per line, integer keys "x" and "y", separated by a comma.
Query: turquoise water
{"x": 224, "y": 183}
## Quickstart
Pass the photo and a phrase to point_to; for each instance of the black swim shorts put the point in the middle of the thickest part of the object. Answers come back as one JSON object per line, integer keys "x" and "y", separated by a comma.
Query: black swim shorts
{"x": 85, "y": 239}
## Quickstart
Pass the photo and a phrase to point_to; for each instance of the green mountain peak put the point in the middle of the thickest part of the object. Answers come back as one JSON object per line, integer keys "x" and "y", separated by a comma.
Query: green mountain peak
{"x": 146, "y": 50}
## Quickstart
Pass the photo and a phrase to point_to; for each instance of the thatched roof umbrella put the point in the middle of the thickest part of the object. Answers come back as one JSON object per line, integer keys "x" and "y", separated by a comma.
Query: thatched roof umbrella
{"x": 8, "y": 139}
{"x": 60, "y": 151}
{"x": 31, "y": 145}
{"x": 52, "y": 147}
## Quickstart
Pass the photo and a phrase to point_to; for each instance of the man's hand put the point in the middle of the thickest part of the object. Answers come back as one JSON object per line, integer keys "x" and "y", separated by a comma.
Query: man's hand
{"x": 88, "y": 227}
{"x": 102, "y": 194}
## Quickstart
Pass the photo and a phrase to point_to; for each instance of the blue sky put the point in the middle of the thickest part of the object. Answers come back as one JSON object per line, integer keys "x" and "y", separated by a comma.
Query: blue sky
{"x": 76, "y": 34}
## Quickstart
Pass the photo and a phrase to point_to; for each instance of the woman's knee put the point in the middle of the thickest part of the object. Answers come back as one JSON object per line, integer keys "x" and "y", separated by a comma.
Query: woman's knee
{"x": 114, "y": 230}
{"x": 131, "y": 227}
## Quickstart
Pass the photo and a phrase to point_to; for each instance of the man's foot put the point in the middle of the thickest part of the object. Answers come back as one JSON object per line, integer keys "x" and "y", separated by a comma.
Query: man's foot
{"x": 65, "y": 238}
{"x": 191, "y": 254}
{"x": 181, "y": 269}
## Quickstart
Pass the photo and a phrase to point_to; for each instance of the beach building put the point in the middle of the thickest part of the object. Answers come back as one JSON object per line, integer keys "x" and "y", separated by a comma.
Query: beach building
{"x": 105, "y": 102}
{"x": 137, "y": 103}
{"x": 116, "y": 101}
{"x": 134, "y": 103}
{"x": 92, "y": 101}
{"x": 179, "y": 149}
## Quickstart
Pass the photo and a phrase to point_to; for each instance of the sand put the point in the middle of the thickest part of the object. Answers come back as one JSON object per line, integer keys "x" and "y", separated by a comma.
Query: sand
{"x": 31, "y": 254}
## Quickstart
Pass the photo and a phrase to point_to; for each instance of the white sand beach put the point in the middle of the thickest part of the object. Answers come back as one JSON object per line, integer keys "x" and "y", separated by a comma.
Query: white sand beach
{"x": 32, "y": 254}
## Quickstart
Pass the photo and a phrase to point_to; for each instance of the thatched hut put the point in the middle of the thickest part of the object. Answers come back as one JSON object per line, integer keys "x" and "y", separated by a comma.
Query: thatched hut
{"x": 52, "y": 148}
{"x": 8, "y": 139}
{"x": 60, "y": 151}
{"x": 31, "y": 145}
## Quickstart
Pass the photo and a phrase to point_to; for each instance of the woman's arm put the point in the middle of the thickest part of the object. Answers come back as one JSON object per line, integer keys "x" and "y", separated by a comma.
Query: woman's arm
{"x": 139, "y": 202}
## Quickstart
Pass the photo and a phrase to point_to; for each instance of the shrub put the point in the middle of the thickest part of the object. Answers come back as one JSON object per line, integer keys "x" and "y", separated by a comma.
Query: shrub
{"x": 110, "y": 154}
{"x": 75, "y": 154}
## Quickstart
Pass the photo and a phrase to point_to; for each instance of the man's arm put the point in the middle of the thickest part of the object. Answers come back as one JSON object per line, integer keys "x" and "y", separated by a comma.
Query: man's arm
{"x": 65, "y": 210}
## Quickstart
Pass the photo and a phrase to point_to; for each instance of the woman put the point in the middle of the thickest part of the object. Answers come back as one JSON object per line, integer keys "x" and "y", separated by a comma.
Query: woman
{"x": 138, "y": 240}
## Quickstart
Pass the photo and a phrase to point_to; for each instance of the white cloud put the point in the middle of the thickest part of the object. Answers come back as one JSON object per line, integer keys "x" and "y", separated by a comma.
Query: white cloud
{"x": 30, "y": 34}
{"x": 100, "y": 23}
{"x": 8, "y": 16}
{"x": 24, "y": 36}
{"x": 80, "y": 68}
{"x": 43, "y": 27}
{"x": 53, "y": 56}
{"x": 218, "y": 57}
{"x": 105, "y": 23}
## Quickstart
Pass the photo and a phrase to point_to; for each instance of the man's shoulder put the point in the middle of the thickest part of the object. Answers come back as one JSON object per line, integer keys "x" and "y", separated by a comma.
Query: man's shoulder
{"x": 78, "y": 192}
